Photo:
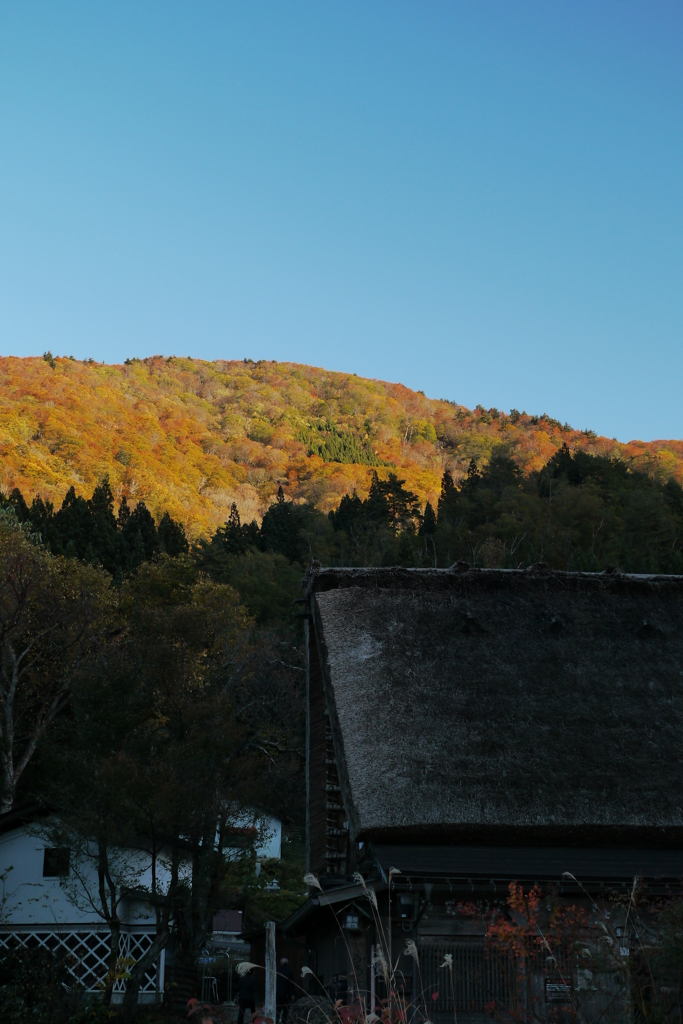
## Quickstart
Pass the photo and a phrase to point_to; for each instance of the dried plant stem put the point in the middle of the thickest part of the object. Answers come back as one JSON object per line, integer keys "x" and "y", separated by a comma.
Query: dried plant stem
{"x": 330, "y": 1020}
{"x": 412, "y": 951}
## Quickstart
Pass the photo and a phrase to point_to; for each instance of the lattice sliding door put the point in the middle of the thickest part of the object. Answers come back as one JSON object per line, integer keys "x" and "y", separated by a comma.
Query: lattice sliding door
{"x": 480, "y": 979}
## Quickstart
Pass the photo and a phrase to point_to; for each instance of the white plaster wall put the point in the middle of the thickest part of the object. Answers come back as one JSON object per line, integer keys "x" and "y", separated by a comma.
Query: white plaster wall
{"x": 268, "y": 837}
{"x": 270, "y": 841}
{"x": 26, "y": 898}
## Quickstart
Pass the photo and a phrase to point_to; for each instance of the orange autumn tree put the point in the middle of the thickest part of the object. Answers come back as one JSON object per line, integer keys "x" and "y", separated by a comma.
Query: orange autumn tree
{"x": 537, "y": 939}
{"x": 190, "y": 437}
{"x": 541, "y": 938}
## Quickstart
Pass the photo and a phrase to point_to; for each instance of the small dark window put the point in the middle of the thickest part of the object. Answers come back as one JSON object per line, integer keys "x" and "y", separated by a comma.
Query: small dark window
{"x": 56, "y": 863}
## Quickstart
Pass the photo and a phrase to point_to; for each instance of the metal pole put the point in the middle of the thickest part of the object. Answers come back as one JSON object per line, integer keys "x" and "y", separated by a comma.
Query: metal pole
{"x": 269, "y": 1007}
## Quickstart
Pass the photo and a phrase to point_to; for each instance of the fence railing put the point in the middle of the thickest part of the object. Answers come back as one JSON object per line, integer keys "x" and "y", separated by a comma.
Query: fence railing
{"x": 480, "y": 977}
{"x": 88, "y": 951}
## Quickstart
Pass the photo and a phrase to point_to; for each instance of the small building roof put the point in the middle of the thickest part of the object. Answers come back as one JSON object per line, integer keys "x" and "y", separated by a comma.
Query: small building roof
{"x": 467, "y": 703}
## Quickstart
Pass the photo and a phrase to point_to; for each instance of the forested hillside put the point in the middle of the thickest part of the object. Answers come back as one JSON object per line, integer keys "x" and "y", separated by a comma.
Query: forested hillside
{"x": 189, "y": 438}
{"x": 156, "y": 522}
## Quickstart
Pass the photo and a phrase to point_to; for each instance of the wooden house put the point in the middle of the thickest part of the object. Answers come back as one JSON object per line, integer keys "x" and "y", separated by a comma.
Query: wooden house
{"x": 477, "y": 729}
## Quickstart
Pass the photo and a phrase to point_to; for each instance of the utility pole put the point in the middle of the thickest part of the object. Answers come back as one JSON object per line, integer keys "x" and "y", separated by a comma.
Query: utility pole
{"x": 269, "y": 1009}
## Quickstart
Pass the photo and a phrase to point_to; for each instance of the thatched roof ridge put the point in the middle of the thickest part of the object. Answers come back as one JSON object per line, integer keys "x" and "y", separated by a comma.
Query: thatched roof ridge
{"x": 321, "y": 580}
{"x": 468, "y": 701}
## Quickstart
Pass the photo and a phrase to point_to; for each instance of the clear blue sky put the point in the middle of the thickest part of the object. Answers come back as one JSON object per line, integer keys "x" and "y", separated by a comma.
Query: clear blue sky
{"x": 483, "y": 200}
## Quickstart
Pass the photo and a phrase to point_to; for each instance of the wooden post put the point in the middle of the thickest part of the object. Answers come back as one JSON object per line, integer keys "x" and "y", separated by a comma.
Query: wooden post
{"x": 161, "y": 965}
{"x": 269, "y": 1007}
{"x": 372, "y": 979}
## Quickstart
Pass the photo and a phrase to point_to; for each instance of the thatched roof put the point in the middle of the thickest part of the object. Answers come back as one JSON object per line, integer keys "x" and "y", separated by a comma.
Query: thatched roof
{"x": 470, "y": 702}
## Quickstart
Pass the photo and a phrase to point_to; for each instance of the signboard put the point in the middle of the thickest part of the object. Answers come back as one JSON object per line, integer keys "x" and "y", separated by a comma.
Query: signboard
{"x": 557, "y": 991}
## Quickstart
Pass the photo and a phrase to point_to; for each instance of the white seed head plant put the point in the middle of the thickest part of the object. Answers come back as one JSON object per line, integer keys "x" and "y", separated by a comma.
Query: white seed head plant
{"x": 381, "y": 961}
{"x": 411, "y": 950}
{"x": 370, "y": 893}
{"x": 244, "y": 968}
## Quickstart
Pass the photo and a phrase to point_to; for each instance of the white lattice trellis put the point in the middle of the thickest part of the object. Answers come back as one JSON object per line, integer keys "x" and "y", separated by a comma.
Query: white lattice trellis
{"x": 135, "y": 946}
{"x": 89, "y": 952}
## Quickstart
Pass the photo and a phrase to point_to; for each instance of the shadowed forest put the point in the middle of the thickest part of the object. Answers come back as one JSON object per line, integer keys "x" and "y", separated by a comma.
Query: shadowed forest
{"x": 579, "y": 512}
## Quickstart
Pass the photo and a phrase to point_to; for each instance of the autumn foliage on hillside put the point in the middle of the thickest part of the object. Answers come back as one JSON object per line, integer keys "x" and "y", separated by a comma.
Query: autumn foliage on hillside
{"x": 190, "y": 437}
